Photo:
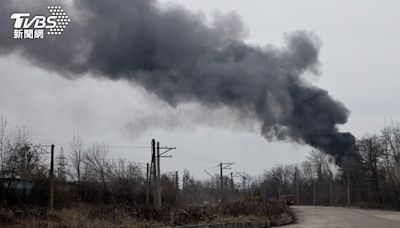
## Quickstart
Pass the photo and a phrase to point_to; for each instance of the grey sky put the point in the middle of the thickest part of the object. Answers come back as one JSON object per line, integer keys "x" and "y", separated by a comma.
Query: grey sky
{"x": 359, "y": 59}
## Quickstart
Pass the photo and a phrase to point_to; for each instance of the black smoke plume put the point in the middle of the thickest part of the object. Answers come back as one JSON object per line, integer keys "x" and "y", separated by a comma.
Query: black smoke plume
{"x": 182, "y": 57}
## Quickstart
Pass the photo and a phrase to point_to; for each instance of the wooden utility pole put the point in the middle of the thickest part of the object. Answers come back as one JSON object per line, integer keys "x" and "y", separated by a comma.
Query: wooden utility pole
{"x": 154, "y": 172}
{"x": 232, "y": 186}
{"x": 176, "y": 187}
{"x": 221, "y": 179}
{"x": 147, "y": 184}
{"x": 222, "y": 166}
{"x": 297, "y": 186}
{"x": 51, "y": 195}
{"x": 158, "y": 177}
{"x": 161, "y": 155}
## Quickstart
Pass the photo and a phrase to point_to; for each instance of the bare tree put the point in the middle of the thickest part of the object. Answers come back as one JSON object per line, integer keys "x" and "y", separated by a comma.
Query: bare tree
{"x": 21, "y": 158}
{"x": 76, "y": 158}
{"x": 126, "y": 179}
{"x": 371, "y": 150}
{"x": 351, "y": 175}
{"x": 322, "y": 166}
{"x": 309, "y": 175}
{"x": 96, "y": 165}
{"x": 391, "y": 140}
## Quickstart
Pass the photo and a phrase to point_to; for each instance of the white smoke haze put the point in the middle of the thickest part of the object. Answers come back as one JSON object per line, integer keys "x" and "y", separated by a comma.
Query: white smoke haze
{"x": 189, "y": 117}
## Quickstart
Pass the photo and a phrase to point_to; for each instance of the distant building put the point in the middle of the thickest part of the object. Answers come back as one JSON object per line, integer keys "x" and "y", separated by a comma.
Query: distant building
{"x": 22, "y": 188}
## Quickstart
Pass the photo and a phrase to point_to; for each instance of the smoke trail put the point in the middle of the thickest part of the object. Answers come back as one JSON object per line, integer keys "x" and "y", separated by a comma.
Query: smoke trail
{"x": 181, "y": 57}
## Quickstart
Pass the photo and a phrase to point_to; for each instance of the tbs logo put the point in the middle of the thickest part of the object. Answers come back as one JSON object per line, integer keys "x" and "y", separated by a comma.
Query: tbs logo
{"x": 27, "y": 27}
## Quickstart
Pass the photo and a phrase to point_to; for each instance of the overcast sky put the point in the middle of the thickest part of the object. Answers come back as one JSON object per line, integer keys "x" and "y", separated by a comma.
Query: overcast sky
{"x": 360, "y": 62}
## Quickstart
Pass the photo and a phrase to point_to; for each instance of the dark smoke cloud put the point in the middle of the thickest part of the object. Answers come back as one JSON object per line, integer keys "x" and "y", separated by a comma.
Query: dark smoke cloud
{"x": 182, "y": 57}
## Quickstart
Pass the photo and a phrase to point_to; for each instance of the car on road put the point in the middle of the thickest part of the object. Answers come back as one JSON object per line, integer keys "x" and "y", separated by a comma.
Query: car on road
{"x": 288, "y": 199}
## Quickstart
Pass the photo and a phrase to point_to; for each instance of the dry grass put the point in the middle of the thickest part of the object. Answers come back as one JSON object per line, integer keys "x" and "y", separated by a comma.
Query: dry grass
{"x": 252, "y": 209}
{"x": 76, "y": 217}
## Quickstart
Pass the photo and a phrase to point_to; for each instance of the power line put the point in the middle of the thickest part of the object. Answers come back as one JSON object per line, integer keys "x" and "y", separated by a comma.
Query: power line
{"x": 197, "y": 155}
{"x": 222, "y": 166}
{"x": 194, "y": 158}
{"x": 68, "y": 143}
{"x": 196, "y": 169}
{"x": 189, "y": 163}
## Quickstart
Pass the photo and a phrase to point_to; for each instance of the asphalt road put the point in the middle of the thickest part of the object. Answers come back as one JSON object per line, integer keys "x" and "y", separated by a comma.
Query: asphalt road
{"x": 339, "y": 217}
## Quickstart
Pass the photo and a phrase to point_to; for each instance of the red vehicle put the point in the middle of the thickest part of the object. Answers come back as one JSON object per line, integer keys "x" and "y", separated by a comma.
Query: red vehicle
{"x": 288, "y": 199}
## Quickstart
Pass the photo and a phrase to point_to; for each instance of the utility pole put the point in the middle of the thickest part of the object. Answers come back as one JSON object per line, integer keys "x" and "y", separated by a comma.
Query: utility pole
{"x": 158, "y": 177}
{"x": 237, "y": 174}
{"x": 232, "y": 186}
{"x": 147, "y": 184}
{"x": 156, "y": 170}
{"x": 222, "y": 166}
{"x": 161, "y": 155}
{"x": 51, "y": 195}
{"x": 154, "y": 173}
{"x": 348, "y": 189}
{"x": 43, "y": 150}
{"x": 221, "y": 179}
{"x": 176, "y": 187}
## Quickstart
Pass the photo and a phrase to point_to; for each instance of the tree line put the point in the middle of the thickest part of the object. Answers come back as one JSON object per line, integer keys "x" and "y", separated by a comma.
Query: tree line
{"x": 370, "y": 177}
